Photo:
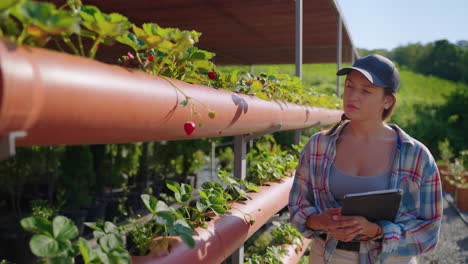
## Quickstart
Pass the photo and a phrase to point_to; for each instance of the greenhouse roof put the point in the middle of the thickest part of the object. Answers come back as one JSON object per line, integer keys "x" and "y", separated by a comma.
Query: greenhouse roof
{"x": 243, "y": 31}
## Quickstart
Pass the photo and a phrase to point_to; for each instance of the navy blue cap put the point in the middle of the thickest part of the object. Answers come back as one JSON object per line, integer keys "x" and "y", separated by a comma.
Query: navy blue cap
{"x": 379, "y": 70}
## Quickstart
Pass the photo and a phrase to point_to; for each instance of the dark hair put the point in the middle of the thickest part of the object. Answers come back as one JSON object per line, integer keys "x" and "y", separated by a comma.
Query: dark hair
{"x": 385, "y": 114}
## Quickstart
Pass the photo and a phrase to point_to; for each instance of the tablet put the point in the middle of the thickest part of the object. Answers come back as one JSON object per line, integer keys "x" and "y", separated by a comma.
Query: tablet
{"x": 374, "y": 206}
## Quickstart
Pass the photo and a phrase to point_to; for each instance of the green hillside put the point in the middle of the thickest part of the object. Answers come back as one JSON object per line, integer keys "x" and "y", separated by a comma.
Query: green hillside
{"x": 425, "y": 108}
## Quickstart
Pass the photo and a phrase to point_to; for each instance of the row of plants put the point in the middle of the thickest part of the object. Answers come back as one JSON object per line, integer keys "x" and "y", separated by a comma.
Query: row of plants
{"x": 284, "y": 235}
{"x": 168, "y": 52}
{"x": 166, "y": 222}
{"x": 76, "y": 175}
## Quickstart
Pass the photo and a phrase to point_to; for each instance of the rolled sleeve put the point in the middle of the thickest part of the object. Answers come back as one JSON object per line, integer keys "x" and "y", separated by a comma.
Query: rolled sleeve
{"x": 301, "y": 199}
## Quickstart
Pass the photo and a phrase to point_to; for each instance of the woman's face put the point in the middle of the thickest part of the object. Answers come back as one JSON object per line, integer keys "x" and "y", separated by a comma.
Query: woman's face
{"x": 362, "y": 100}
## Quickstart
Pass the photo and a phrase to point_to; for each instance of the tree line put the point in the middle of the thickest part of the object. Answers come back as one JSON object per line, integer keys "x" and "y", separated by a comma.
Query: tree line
{"x": 439, "y": 58}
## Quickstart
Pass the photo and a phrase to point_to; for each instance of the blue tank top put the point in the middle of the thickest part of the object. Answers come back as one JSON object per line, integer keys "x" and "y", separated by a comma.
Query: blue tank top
{"x": 342, "y": 183}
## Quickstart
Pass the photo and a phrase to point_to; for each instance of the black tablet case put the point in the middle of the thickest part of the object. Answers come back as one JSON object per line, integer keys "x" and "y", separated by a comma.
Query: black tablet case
{"x": 374, "y": 207}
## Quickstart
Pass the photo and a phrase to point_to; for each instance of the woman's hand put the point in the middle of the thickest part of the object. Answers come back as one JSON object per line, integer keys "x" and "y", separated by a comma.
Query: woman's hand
{"x": 343, "y": 228}
{"x": 362, "y": 227}
{"x": 327, "y": 222}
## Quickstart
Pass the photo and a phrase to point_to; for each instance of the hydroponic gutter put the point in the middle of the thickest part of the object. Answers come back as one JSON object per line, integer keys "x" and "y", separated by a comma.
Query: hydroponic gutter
{"x": 226, "y": 233}
{"x": 58, "y": 98}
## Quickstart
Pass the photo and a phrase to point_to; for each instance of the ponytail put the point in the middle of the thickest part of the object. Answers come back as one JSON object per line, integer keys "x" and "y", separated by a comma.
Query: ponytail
{"x": 331, "y": 131}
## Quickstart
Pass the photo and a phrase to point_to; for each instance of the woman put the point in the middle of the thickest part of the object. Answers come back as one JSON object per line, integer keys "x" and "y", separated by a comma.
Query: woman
{"x": 363, "y": 153}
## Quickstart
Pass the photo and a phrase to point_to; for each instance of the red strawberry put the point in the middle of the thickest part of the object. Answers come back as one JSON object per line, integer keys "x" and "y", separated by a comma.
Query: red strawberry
{"x": 212, "y": 114}
{"x": 211, "y": 75}
{"x": 151, "y": 58}
{"x": 189, "y": 127}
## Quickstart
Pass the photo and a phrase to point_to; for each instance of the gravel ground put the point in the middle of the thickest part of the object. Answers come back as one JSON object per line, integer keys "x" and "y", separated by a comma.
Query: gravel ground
{"x": 453, "y": 244}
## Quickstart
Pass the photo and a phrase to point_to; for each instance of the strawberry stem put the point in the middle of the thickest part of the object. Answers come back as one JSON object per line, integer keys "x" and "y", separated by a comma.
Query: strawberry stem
{"x": 71, "y": 45}
{"x": 92, "y": 52}
{"x": 80, "y": 43}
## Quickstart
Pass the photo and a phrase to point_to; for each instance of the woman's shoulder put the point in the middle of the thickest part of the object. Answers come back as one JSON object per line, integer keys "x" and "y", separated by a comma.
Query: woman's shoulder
{"x": 319, "y": 138}
{"x": 413, "y": 147}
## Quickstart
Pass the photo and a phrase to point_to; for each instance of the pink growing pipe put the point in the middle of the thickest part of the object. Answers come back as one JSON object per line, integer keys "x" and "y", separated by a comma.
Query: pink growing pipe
{"x": 59, "y": 98}
{"x": 225, "y": 234}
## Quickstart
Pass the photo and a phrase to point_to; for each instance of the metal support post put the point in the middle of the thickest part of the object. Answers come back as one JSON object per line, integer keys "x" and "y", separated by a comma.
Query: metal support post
{"x": 7, "y": 144}
{"x": 213, "y": 160}
{"x": 297, "y": 136}
{"x": 338, "y": 53}
{"x": 240, "y": 168}
{"x": 299, "y": 13}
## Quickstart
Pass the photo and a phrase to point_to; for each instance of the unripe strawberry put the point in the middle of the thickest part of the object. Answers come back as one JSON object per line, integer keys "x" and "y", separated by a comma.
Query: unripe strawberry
{"x": 211, "y": 75}
{"x": 130, "y": 55}
{"x": 189, "y": 127}
{"x": 212, "y": 114}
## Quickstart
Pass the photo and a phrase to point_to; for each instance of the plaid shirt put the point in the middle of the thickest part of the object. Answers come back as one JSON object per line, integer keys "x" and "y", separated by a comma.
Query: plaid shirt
{"x": 416, "y": 228}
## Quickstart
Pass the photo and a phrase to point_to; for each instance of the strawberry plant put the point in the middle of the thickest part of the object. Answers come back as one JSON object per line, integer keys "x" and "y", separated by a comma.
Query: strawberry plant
{"x": 111, "y": 245}
{"x": 172, "y": 221}
{"x": 55, "y": 242}
{"x": 101, "y": 27}
{"x": 35, "y": 23}
{"x": 284, "y": 235}
{"x": 266, "y": 165}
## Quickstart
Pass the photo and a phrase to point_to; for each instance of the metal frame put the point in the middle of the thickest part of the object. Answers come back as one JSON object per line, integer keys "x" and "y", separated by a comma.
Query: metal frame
{"x": 339, "y": 52}
{"x": 7, "y": 144}
{"x": 240, "y": 169}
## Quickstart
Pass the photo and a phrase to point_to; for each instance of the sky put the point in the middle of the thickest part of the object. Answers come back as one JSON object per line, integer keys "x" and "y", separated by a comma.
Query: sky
{"x": 387, "y": 24}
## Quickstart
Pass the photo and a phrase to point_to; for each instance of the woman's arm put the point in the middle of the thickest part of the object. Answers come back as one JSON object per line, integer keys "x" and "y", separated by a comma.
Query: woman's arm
{"x": 304, "y": 214}
{"x": 416, "y": 232}
{"x": 301, "y": 199}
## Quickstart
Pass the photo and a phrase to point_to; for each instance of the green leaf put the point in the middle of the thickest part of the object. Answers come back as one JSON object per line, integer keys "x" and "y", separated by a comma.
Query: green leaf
{"x": 167, "y": 216}
{"x": 201, "y": 205}
{"x": 93, "y": 226}
{"x": 101, "y": 257}
{"x": 66, "y": 248}
{"x": 109, "y": 25}
{"x": 44, "y": 246}
{"x": 110, "y": 241}
{"x": 162, "y": 206}
{"x": 218, "y": 209}
{"x": 188, "y": 240}
{"x": 109, "y": 227}
{"x": 173, "y": 186}
{"x": 37, "y": 224}
{"x": 197, "y": 54}
{"x": 98, "y": 234}
{"x": 119, "y": 256}
{"x": 5, "y": 5}
{"x": 132, "y": 41}
{"x": 203, "y": 194}
{"x": 150, "y": 202}
{"x": 186, "y": 192}
{"x": 61, "y": 260}
{"x": 203, "y": 65}
{"x": 64, "y": 228}
{"x": 48, "y": 18}
{"x": 217, "y": 200}
{"x": 251, "y": 186}
{"x": 85, "y": 249}
{"x": 241, "y": 191}
{"x": 177, "y": 214}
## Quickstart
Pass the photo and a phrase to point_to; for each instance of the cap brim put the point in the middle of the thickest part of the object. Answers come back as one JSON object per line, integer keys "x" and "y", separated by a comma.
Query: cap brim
{"x": 373, "y": 79}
